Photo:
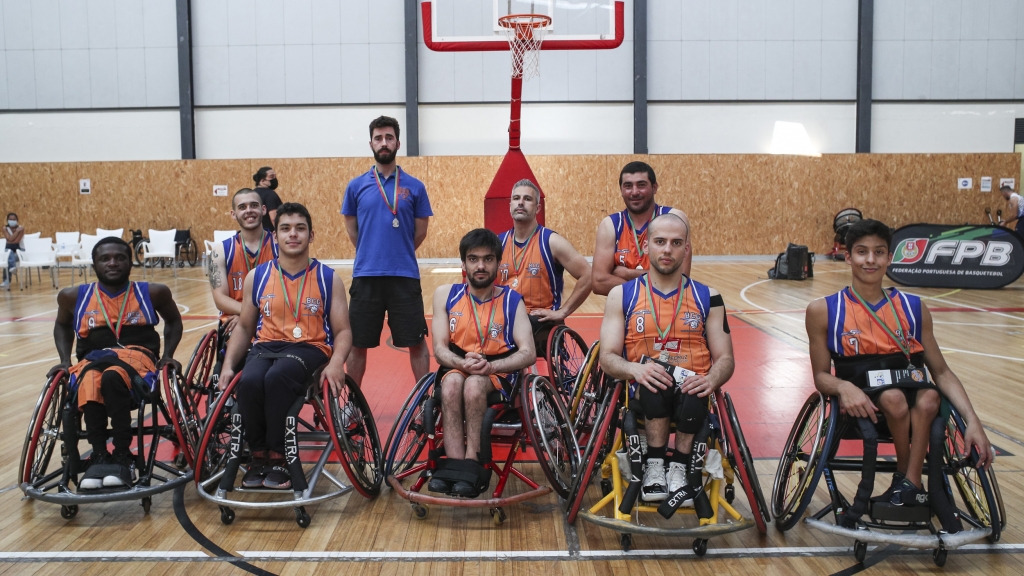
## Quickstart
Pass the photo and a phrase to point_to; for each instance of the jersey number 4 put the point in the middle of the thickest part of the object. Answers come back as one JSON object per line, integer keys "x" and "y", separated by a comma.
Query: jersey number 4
{"x": 266, "y": 308}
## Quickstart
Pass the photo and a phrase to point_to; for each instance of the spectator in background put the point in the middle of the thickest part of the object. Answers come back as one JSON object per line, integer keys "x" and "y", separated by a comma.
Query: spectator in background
{"x": 266, "y": 182}
{"x": 1014, "y": 208}
{"x": 14, "y": 233}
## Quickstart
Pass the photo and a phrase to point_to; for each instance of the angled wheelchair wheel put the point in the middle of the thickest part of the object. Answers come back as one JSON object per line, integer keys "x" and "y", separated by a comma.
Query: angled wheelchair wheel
{"x": 566, "y": 353}
{"x": 355, "y": 436}
{"x": 597, "y": 448}
{"x": 183, "y": 415}
{"x": 741, "y": 460}
{"x": 43, "y": 431}
{"x": 803, "y": 460}
{"x": 212, "y": 454}
{"x": 586, "y": 394}
{"x": 408, "y": 435}
{"x": 190, "y": 253}
{"x": 200, "y": 369}
{"x": 550, "y": 433}
{"x": 982, "y": 502}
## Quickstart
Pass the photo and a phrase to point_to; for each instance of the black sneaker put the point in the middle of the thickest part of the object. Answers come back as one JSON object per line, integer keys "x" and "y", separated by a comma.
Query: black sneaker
{"x": 440, "y": 486}
{"x": 255, "y": 473}
{"x": 278, "y": 478}
{"x": 124, "y": 475}
{"x": 906, "y": 494}
{"x": 464, "y": 489}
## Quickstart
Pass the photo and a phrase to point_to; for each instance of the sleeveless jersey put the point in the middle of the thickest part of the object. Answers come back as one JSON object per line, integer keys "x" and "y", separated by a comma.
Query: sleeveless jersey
{"x": 137, "y": 325}
{"x": 462, "y": 326}
{"x": 276, "y": 322}
{"x": 238, "y": 261}
{"x": 1020, "y": 204}
{"x": 688, "y": 327}
{"x": 539, "y": 279}
{"x": 627, "y": 251}
{"x": 852, "y": 331}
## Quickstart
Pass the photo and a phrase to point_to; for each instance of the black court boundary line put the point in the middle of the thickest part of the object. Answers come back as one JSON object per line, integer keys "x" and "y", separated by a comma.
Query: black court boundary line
{"x": 221, "y": 554}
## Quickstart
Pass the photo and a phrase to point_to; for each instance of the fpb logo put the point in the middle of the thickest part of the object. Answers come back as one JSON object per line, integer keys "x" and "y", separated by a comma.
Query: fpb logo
{"x": 910, "y": 251}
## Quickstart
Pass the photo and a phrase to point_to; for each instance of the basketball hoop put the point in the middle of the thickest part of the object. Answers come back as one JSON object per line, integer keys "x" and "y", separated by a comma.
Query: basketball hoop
{"x": 525, "y": 34}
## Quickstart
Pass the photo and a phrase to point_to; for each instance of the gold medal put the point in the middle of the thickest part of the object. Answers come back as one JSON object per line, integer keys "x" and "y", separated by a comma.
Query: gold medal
{"x": 297, "y": 332}
{"x": 394, "y": 223}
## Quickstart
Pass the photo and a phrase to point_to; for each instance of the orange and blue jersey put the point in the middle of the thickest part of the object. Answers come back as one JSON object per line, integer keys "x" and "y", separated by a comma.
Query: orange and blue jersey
{"x": 627, "y": 248}
{"x": 539, "y": 276}
{"x": 687, "y": 337}
{"x": 238, "y": 260}
{"x": 852, "y": 331}
{"x": 276, "y": 322}
{"x": 498, "y": 332}
{"x": 137, "y": 324}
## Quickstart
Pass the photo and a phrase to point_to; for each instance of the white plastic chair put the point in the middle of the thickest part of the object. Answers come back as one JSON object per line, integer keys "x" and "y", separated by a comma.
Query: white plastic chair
{"x": 34, "y": 235}
{"x": 160, "y": 245}
{"x": 38, "y": 254}
{"x": 83, "y": 259}
{"x": 118, "y": 233}
{"x": 222, "y": 235}
{"x": 66, "y": 246}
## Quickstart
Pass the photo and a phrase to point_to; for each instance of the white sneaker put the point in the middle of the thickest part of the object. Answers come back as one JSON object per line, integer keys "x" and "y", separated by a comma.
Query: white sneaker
{"x": 653, "y": 489}
{"x": 91, "y": 483}
{"x": 676, "y": 476}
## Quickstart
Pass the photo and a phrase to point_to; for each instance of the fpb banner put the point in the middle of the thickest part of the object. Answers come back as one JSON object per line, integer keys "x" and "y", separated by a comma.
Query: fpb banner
{"x": 937, "y": 256}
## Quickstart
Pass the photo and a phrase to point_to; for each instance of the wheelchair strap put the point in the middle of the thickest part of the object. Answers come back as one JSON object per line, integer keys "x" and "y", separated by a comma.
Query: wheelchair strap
{"x": 490, "y": 415}
{"x": 938, "y": 495}
{"x": 867, "y": 477}
{"x": 237, "y": 431}
{"x": 291, "y": 445}
{"x": 694, "y": 488}
{"x": 469, "y": 471}
{"x": 636, "y": 463}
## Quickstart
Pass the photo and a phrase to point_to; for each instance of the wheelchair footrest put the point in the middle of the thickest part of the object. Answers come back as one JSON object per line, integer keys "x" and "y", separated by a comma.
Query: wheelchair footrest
{"x": 886, "y": 512}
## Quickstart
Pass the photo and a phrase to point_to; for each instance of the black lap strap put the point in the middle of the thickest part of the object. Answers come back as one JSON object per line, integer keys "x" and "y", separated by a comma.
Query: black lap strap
{"x": 938, "y": 497}
{"x": 867, "y": 476}
{"x": 636, "y": 465}
{"x": 694, "y": 488}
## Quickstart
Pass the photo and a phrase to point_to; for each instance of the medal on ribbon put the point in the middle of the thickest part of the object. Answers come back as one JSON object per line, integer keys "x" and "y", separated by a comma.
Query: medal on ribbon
{"x": 393, "y": 202}
{"x": 296, "y": 332}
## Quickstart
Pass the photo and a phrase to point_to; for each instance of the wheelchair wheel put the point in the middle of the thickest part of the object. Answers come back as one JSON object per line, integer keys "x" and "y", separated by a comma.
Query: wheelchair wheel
{"x": 803, "y": 460}
{"x": 586, "y": 394}
{"x": 183, "y": 415}
{"x": 190, "y": 253}
{"x": 43, "y": 430}
{"x": 200, "y": 370}
{"x": 550, "y": 433}
{"x": 597, "y": 448}
{"x": 983, "y": 504}
{"x": 566, "y": 353}
{"x": 355, "y": 436}
{"x": 140, "y": 252}
{"x": 741, "y": 460}
{"x": 212, "y": 453}
{"x": 408, "y": 435}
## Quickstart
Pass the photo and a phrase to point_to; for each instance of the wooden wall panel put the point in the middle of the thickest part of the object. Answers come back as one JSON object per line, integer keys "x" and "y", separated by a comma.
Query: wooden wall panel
{"x": 738, "y": 204}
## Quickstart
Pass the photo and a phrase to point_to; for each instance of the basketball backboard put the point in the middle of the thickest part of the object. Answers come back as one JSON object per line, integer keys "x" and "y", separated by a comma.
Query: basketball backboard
{"x": 471, "y": 25}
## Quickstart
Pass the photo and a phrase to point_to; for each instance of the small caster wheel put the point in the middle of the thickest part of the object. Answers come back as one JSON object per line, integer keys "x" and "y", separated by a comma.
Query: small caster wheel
{"x": 700, "y": 547}
{"x": 301, "y": 518}
{"x": 939, "y": 557}
{"x": 227, "y": 515}
{"x": 860, "y": 551}
{"x": 419, "y": 511}
{"x": 626, "y": 542}
{"x": 179, "y": 461}
{"x": 730, "y": 493}
{"x": 68, "y": 512}
{"x": 147, "y": 503}
{"x": 498, "y": 516}
{"x": 606, "y": 487}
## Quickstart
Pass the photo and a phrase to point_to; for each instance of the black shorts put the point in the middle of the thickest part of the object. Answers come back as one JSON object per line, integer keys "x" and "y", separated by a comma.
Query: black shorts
{"x": 400, "y": 297}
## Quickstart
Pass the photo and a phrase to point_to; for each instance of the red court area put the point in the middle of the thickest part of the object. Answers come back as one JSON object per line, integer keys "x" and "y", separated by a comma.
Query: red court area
{"x": 771, "y": 382}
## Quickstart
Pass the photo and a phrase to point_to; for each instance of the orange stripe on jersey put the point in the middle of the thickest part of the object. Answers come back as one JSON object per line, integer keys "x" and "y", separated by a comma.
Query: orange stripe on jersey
{"x": 538, "y": 278}
{"x": 626, "y": 247}
{"x": 276, "y": 322}
{"x": 688, "y": 327}
{"x": 238, "y": 261}
{"x": 138, "y": 311}
{"x": 498, "y": 329}
{"x": 852, "y": 331}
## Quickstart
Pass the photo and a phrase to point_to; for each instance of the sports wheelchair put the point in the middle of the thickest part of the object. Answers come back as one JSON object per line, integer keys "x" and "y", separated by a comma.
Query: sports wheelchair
{"x": 817, "y": 447}
{"x": 190, "y": 399}
{"x": 338, "y": 429}
{"x": 722, "y": 452}
{"x": 531, "y": 415}
{"x": 56, "y": 419}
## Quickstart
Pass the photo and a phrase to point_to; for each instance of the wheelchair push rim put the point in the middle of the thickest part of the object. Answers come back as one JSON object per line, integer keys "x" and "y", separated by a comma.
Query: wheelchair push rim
{"x": 983, "y": 506}
{"x": 742, "y": 461}
{"x": 356, "y": 442}
{"x": 408, "y": 435}
{"x": 802, "y": 462}
{"x": 567, "y": 352}
{"x": 45, "y": 423}
{"x": 551, "y": 436}
{"x": 586, "y": 394}
{"x": 595, "y": 451}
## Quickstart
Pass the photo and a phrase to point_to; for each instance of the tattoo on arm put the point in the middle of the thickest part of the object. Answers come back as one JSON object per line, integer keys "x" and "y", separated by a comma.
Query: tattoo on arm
{"x": 214, "y": 272}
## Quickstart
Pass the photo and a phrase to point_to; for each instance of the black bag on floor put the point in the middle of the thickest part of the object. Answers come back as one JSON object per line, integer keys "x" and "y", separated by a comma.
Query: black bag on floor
{"x": 796, "y": 263}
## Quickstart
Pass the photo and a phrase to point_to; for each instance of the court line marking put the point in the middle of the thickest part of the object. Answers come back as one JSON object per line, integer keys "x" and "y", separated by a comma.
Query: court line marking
{"x": 29, "y": 316}
{"x": 28, "y": 363}
{"x": 743, "y": 295}
{"x": 944, "y": 349}
{"x": 214, "y": 323}
{"x": 960, "y": 304}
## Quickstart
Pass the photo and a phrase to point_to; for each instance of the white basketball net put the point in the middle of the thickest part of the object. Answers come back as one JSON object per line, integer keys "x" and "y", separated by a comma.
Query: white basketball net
{"x": 525, "y": 34}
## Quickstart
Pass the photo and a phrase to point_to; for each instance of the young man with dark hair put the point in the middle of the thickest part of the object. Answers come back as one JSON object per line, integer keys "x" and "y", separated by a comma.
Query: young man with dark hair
{"x": 386, "y": 213}
{"x": 266, "y": 186}
{"x": 233, "y": 258}
{"x": 296, "y": 317}
{"x": 866, "y": 332}
{"x": 619, "y": 255}
{"x": 113, "y": 325}
{"x": 482, "y": 341}
{"x": 532, "y": 263}
{"x": 663, "y": 315}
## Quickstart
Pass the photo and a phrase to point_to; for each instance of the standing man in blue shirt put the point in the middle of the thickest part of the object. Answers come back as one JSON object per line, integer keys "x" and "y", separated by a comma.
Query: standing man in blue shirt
{"x": 386, "y": 212}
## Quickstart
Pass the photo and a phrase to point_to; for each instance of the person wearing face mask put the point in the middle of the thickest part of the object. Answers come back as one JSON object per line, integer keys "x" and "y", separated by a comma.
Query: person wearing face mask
{"x": 266, "y": 184}
{"x": 14, "y": 232}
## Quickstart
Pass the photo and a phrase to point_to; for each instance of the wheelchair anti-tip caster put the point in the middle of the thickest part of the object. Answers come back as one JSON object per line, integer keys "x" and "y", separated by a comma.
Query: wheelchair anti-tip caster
{"x": 939, "y": 557}
{"x": 419, "y": 511}
{"x": 626, "y": 542}
{"x": 700, "y": 547}
{"x": 68, "y": 512}
{"x": 498, "y": 515}
{"x": 860, "y": 550}
{"x": 179, "y": 461}
{"x": 227, "y": 515}
{"x": 730, "y": 493}
{"x": 301, "y": 518}
{"x": 147, "y": 503}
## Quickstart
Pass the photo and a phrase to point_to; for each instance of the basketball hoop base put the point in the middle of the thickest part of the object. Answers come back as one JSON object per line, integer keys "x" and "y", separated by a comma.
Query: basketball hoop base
{"x": 514, "y": 168}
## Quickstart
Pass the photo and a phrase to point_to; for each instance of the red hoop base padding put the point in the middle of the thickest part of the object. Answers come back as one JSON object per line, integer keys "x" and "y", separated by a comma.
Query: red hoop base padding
{"x": 513, "y": 168}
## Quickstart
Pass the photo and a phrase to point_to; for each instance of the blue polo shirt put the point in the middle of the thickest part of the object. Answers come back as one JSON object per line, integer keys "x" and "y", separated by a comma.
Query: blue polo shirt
{"x": 382, "y": 249}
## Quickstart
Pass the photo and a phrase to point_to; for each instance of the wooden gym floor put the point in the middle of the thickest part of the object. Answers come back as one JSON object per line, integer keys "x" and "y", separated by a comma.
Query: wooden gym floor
{"x": 981, "y": 332}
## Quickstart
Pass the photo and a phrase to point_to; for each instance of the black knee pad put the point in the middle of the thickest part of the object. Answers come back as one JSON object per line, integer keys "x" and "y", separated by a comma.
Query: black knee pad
{"x": 656, "y": 404}
{"x": 691, "y": 412}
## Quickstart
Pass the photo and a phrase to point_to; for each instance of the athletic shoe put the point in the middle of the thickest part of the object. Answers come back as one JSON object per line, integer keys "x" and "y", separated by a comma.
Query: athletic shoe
{"x": 255, "y": 473}
{"x": 676, "y": 476}
{"x": 124, "y": 475}
{"x": 906, "y": 494}
{"x": 440, "y": 486}
{"x": 278, "y": 478}
{"x": 897, "y": 479}
{"x": 94, "y": 473}
{"x": 464, "y": 489}
{"x": 653, "y": 489}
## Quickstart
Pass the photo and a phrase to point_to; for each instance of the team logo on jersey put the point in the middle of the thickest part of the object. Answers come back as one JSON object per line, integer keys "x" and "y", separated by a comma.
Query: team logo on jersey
{"x": 132, "y": 318}
{"x": 909, "y": 251}
{"x": 494, "y": 331}
{"x": 313, "y": 305}
{"x": 692, "y": 319}
{"x": 853, "y": 332}
{"x": 404, "y": 193}
{"x": 533, "y": 268}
